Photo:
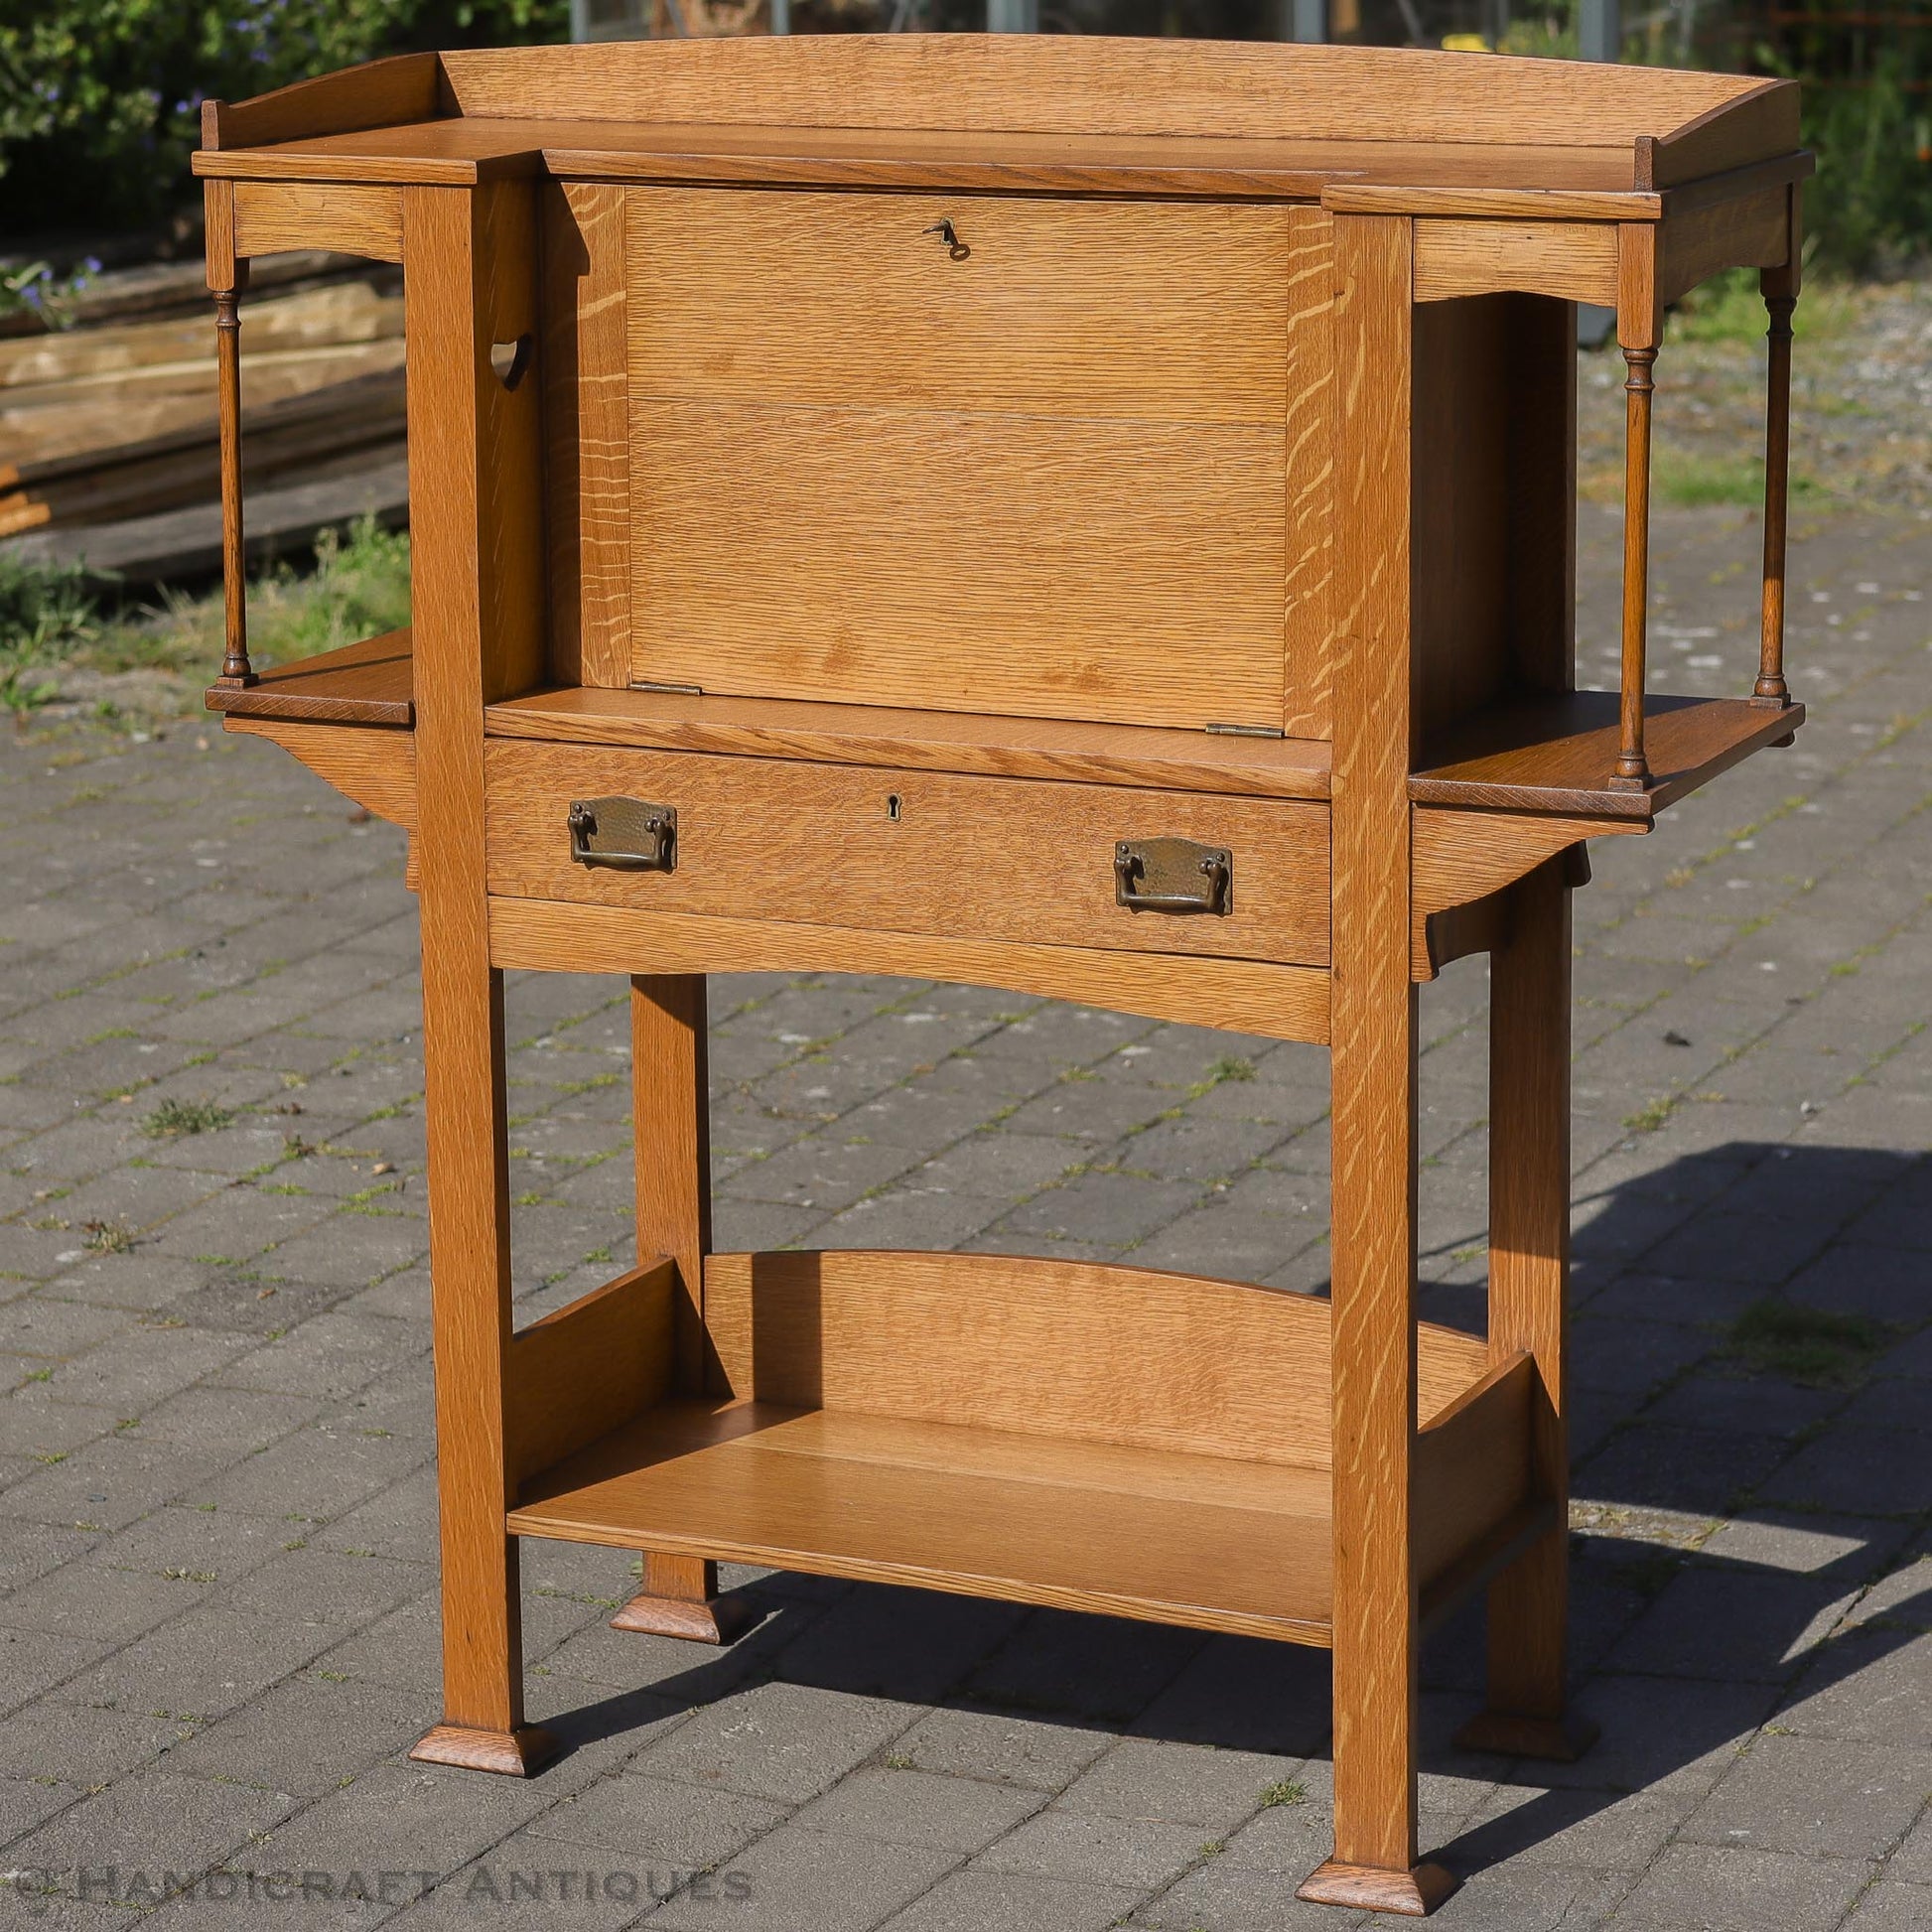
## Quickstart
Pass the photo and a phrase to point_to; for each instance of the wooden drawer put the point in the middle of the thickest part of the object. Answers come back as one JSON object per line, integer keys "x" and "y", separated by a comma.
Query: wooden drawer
{"x": 909, "y": 851}
{"x": 1046, "y": 477}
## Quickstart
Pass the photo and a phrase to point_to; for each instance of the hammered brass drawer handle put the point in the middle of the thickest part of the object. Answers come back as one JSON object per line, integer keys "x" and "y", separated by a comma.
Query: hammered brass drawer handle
{"x": 625, "y": 834}
{"x": 1174, "y": 876}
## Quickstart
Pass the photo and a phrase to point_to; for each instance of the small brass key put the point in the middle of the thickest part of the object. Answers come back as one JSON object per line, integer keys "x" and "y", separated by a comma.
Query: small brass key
{"x": 947, "y": 233}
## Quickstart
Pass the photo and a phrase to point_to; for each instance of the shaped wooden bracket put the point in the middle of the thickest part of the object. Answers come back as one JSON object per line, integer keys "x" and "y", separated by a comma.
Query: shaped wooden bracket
{"x": 1463, "y": 863}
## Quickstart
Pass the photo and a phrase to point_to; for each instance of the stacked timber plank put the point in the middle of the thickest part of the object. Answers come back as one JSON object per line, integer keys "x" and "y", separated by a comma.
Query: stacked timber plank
{"x": 108, "y": 450}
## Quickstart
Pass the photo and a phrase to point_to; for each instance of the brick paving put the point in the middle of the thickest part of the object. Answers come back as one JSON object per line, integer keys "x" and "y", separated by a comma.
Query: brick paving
{"x": 217, "y": 1563}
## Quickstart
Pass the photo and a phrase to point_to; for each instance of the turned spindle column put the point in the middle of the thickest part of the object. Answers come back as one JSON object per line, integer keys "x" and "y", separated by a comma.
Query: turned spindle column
{"x": 1632, "y": 768}
{"x": 235, "y": 668}
{"x": 1770, "y": 688}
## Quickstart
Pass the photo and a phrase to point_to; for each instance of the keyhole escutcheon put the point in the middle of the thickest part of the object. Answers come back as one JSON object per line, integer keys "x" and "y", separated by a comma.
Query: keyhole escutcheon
{"x": 947, "y": 233}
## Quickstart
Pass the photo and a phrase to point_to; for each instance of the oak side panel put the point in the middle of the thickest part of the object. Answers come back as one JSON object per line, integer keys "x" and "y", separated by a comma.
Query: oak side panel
{"x": 356, "y": 220}
{"x": 1119, "y": 571}
{"x": 1462, "y": 559}
{"x": 1090, "y": 1350}
{"x": 585, "y": 432}
{"x": 587, "y": 1368}
{"x": 1310, "y": 464}
{"x": 1752, "y": 233}
{"x": 1374, "y": 1064}
{"x": 1574, "y": 260}
{"x": 670, "y": 1112}
{"x": 1541, "y": 610}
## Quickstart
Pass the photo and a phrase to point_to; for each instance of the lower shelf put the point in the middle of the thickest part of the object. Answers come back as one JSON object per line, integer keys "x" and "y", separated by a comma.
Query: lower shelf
{"x": 1202, "y": 1541}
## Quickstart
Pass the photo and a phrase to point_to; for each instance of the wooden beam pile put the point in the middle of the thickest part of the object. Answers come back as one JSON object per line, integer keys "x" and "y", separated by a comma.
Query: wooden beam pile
{"x": 107, "y": 429}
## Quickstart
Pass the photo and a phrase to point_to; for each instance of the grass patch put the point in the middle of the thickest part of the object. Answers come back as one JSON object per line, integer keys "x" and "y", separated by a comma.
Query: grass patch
{"x": 1652, "y": 1115}
{"x": 174, "y": 1118}
{"x": 56, "y": 627}
{"x": 1694, "y": 480}
{"x": 1285, "y": 1791}
{"x": 1729, "y": 309}
{"x": 108, "y": 1237}
{"x": 1813, "y": 1347}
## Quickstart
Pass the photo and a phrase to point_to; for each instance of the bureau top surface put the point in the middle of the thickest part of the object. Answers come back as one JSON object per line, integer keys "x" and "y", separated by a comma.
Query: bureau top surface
{"x": 1352, "y": 127}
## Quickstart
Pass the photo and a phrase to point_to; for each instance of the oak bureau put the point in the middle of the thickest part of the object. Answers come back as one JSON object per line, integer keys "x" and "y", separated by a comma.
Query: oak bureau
{"x": 1088, "y": 518}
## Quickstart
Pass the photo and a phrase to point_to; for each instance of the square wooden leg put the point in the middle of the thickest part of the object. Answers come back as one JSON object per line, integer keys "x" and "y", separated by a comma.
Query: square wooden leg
{"x": 483, "y": 1663}
{"x": 672, "y": 1129}
{"x": 1373, "y": 1048}
{"x": 1529, "y": 1266}
{"x": 680, "y": 1600}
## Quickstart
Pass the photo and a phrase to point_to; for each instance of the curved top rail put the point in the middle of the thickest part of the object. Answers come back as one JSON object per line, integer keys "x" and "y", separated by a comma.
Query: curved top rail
{"x": 1049, "y": 84}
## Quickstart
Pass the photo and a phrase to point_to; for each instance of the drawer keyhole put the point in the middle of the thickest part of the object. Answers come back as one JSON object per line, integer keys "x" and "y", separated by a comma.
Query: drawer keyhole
{"x": 892, "y": 807}
{"x": 947, "y": 233}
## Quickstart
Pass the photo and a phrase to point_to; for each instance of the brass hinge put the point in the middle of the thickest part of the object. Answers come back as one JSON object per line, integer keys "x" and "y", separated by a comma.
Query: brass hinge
{"x": 1246, "y": 731}
{"x": 674, "y": 690}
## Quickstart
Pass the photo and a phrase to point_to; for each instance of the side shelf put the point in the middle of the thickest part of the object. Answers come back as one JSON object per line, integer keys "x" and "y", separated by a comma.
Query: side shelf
{"x": 1558, "y": 754}
{"x": 347, "y": 715}
{"x": 371, "y": 682}
{"x": 1089, "y": 1435}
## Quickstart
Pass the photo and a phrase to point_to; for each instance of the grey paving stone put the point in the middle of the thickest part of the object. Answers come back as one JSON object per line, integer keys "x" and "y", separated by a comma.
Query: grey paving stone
{"x": 55, "y": 1739}
{"x": 204, "y": 1664}
{"x": 1141, "y": 1852}
{"x": 152, "y": 1823}
{"x": 904, "y": 1806}
{"x": 1082, "y": 1665}
{"x": 97, "y": 1605}
{"x": 1912, "y": 1862}
{"x": 1109, "y": 1209}
{"x": 512, "y": 1885}
{"x": 1219, "y": 1896}
{"x": 658, "y": 1824}
{"x": 785, "y": 1741}
{"x": 1817, "y": 1796}
{"x": 799, "y": 1880}
{"x": 1851, "y": 1468}
{"x": 1870, "y": 1684}
{"x": 314, "y": 1475}
{"x": 1737, "y": 1192}
{"x": 1186, "y": 1784}
{"x": 204, "y": 1545}
{"x": 1670, "y": 1736}
{"x": 1893, "y": 1909}
{"x": 1733, "y": 1623}
{"x": 1004, "y": 1902}
{"x": 343, "y": 1729}
{"x": 913, "y": 1646}
{"x": 1688, "y": 1470}
{"x": 1703, "y": 1888}
{"x": 414, "y": 1818}
{"x": 32, "y": 1660}
{"x": 25, "y": 1803}
{"x": 963, "y": 1742}
{"x": 1883, "y": 1283}
{"x": 1585, "y": 1831}
{"x": 128, "y": 1373}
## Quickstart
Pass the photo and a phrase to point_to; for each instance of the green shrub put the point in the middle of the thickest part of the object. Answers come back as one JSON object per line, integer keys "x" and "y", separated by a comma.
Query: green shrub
{"x": 46, "y": 616}
{"x": 100, "y": 99}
